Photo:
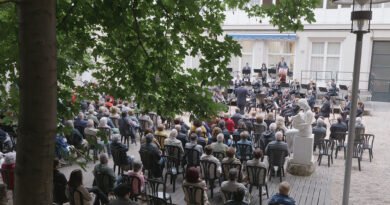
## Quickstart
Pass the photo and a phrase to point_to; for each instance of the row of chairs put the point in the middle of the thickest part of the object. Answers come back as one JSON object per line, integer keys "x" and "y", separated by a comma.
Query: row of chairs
{"x": 328, "y": 146}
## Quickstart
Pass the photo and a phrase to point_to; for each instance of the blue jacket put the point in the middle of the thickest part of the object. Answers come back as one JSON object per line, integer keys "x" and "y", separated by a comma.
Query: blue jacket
{"x": 279, "y": 199}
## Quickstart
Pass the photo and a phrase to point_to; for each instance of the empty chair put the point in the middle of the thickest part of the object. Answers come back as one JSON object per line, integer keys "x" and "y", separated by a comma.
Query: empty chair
{"x": 257, "y": 178}
{"x": 368, "y": 143}
{"x": 357, "y": 153}
{"x": 326, "y": 149}
{"x": 339, "y": 137}
{"x": 172, "y": 170}
{"x": 153, "y": 189}
{"x": 318, "y": 139}
{"x": 209, "y": 171}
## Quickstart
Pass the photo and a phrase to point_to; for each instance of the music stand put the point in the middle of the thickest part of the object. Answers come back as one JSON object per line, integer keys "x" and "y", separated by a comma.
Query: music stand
{"x": 229, "y": 90}
{"x": 257, "y": 70}
{"x": 323, "y": 89}
{"x": 272, "y": 73}
{"x": 230, "y": 69}
{"x": 284, "y": 85}
{"x": 343, "y": 87}
{"x": 305, "y": 86}
{"x": 246, "y": 71}
{"x": 266, "y": 85}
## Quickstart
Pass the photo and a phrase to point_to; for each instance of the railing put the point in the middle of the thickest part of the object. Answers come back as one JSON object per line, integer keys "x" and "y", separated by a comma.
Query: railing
{"x": 340, "y": 77}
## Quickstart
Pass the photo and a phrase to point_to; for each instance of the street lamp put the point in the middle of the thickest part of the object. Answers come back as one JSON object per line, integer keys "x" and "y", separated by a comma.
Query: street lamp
{"x": 361, "y": 16}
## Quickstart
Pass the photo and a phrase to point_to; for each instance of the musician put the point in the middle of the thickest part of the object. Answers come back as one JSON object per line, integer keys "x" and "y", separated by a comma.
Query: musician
{"x": 263, "y": 72}
{"x": 241, "y": 94}
{"x": 283, "y": 70}
{"x": 237, "y": 81}
{"x": 246, "y": 71}
{"x": 332, "y": 90}
{"x": 218, "y": 97}
{"x": 282, "y": 63}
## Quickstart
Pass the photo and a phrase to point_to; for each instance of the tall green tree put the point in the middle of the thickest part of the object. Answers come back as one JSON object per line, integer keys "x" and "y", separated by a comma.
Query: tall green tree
{"x": 134, "y": 48}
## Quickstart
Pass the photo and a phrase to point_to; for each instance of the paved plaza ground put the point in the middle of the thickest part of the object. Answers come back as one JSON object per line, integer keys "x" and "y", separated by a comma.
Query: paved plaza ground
{"x": 325, "y": 186}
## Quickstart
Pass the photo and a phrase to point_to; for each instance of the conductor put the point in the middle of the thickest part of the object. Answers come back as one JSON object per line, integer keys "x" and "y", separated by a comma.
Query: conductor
{"x": 241, "y": 94}
{"x": 246, "y": 71}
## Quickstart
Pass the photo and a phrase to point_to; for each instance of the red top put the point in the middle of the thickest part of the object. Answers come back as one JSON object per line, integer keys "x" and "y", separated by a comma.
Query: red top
{"x": 229, "y": 124}
{"x": 7, "y": 174}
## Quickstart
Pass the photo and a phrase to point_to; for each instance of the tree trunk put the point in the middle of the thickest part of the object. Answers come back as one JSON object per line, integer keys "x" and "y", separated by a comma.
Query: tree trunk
{"x": 38, "y": 93}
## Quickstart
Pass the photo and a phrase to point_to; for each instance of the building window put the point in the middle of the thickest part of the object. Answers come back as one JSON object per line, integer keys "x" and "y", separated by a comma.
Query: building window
{"x": 254, "y": 2}
{"x": 320, "y": 4}
{"x": 279, "y": 49}
{"x": 330, "y": 5}
{"x": 325, "y": 58}
{"x": 237, "y": 63}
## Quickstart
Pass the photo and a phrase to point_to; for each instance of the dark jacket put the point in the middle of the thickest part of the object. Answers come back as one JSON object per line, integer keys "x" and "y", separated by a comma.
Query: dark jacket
{"x": 338, "y": 127}
{"x": 325, "y": 109}
{"x": 241, "y": 94}
{"x": 59, "y": 186}
{"x": 279, "y": 199}
{"x": 150, "y": 157}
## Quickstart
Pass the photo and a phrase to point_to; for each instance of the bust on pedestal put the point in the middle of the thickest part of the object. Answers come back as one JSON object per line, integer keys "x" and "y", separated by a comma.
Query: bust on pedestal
{"x": 302, "y": 140}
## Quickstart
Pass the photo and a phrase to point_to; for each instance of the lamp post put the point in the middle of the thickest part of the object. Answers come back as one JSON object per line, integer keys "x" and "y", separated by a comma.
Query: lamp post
{"x": 361, "y": 16}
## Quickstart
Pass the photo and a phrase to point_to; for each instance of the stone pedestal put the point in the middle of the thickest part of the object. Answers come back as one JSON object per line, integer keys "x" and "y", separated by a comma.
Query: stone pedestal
{"x": 301, "y": 169}
{"x": 303, "y": 150}
{"x": 302, "y": 162}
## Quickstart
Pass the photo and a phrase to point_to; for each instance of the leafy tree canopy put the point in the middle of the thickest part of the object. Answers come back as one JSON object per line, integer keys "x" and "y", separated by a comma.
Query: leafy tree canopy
{"x": 137, "y": 48}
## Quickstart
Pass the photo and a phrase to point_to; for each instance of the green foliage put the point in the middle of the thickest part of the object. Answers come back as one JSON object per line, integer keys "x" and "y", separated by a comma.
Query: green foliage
{"x": 137, "y": 48}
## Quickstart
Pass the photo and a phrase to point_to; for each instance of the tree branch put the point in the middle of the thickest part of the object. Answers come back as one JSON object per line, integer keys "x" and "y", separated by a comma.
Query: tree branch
{"x": 9, "y": 1}
{"x": 70, "y": 10}
{"x": 137, "y": 28}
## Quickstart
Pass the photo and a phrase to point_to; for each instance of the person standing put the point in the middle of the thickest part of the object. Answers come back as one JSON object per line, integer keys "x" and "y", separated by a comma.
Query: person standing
{"x": 241, "y": 94}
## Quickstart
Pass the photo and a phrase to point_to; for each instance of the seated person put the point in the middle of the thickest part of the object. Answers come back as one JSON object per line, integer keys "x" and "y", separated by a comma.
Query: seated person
{"x": 137, "y": 172}
{"x": 277, "y": 145}
{"x": 226, "y": 133}
{"x": 198, "y": 124}
{"x": 201, "y": 139}
{"x": 192, "y": 179}
{"x": 256, "y": 161}
{"x": 181, "y": 136}
{"x": 80, "y": 123}
{"x": 193, "y": 144}
{"x": 209, "y": 157}
{"x": 244, "y": 140}
{"x": 268, "y": 136}
{"x": 91, "y": 115}
{"x": 229, "y": 123}
{"x": 75, "y": 137}
{"x": 154, "y": 154}
{"x": 270, "y": 119}
{"x": 282, "y": 197}
{"x": 116, "y": 145}
{"x": 339, "y": 126}
{"x": 155, "y": 141}
{"x": 231, "y": 157}
{"x": 238, "y": 197}
{"x": 161, "y": 132}
{"x": 62, "y": 148}
{"x": 8, "y": 169}
{"x": 319, "y": 129}
{"x": 232, "y": 185}
{"x": 325, "y": 108}
{"x": 122, "y": 193}
{"x": 171, "y": 140}
{"x": 5, "y": 140}
{"x": 219, "y": 146}
{"x": 59, "y": 184}
{"x": 100, "y": 172}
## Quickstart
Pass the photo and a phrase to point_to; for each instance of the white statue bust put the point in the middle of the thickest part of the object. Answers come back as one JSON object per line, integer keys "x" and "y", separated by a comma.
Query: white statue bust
{"x": 302, "y": 121}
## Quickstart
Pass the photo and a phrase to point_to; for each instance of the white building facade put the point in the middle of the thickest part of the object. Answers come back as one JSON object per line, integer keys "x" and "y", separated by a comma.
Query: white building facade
{"x": 323, "y": 51}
